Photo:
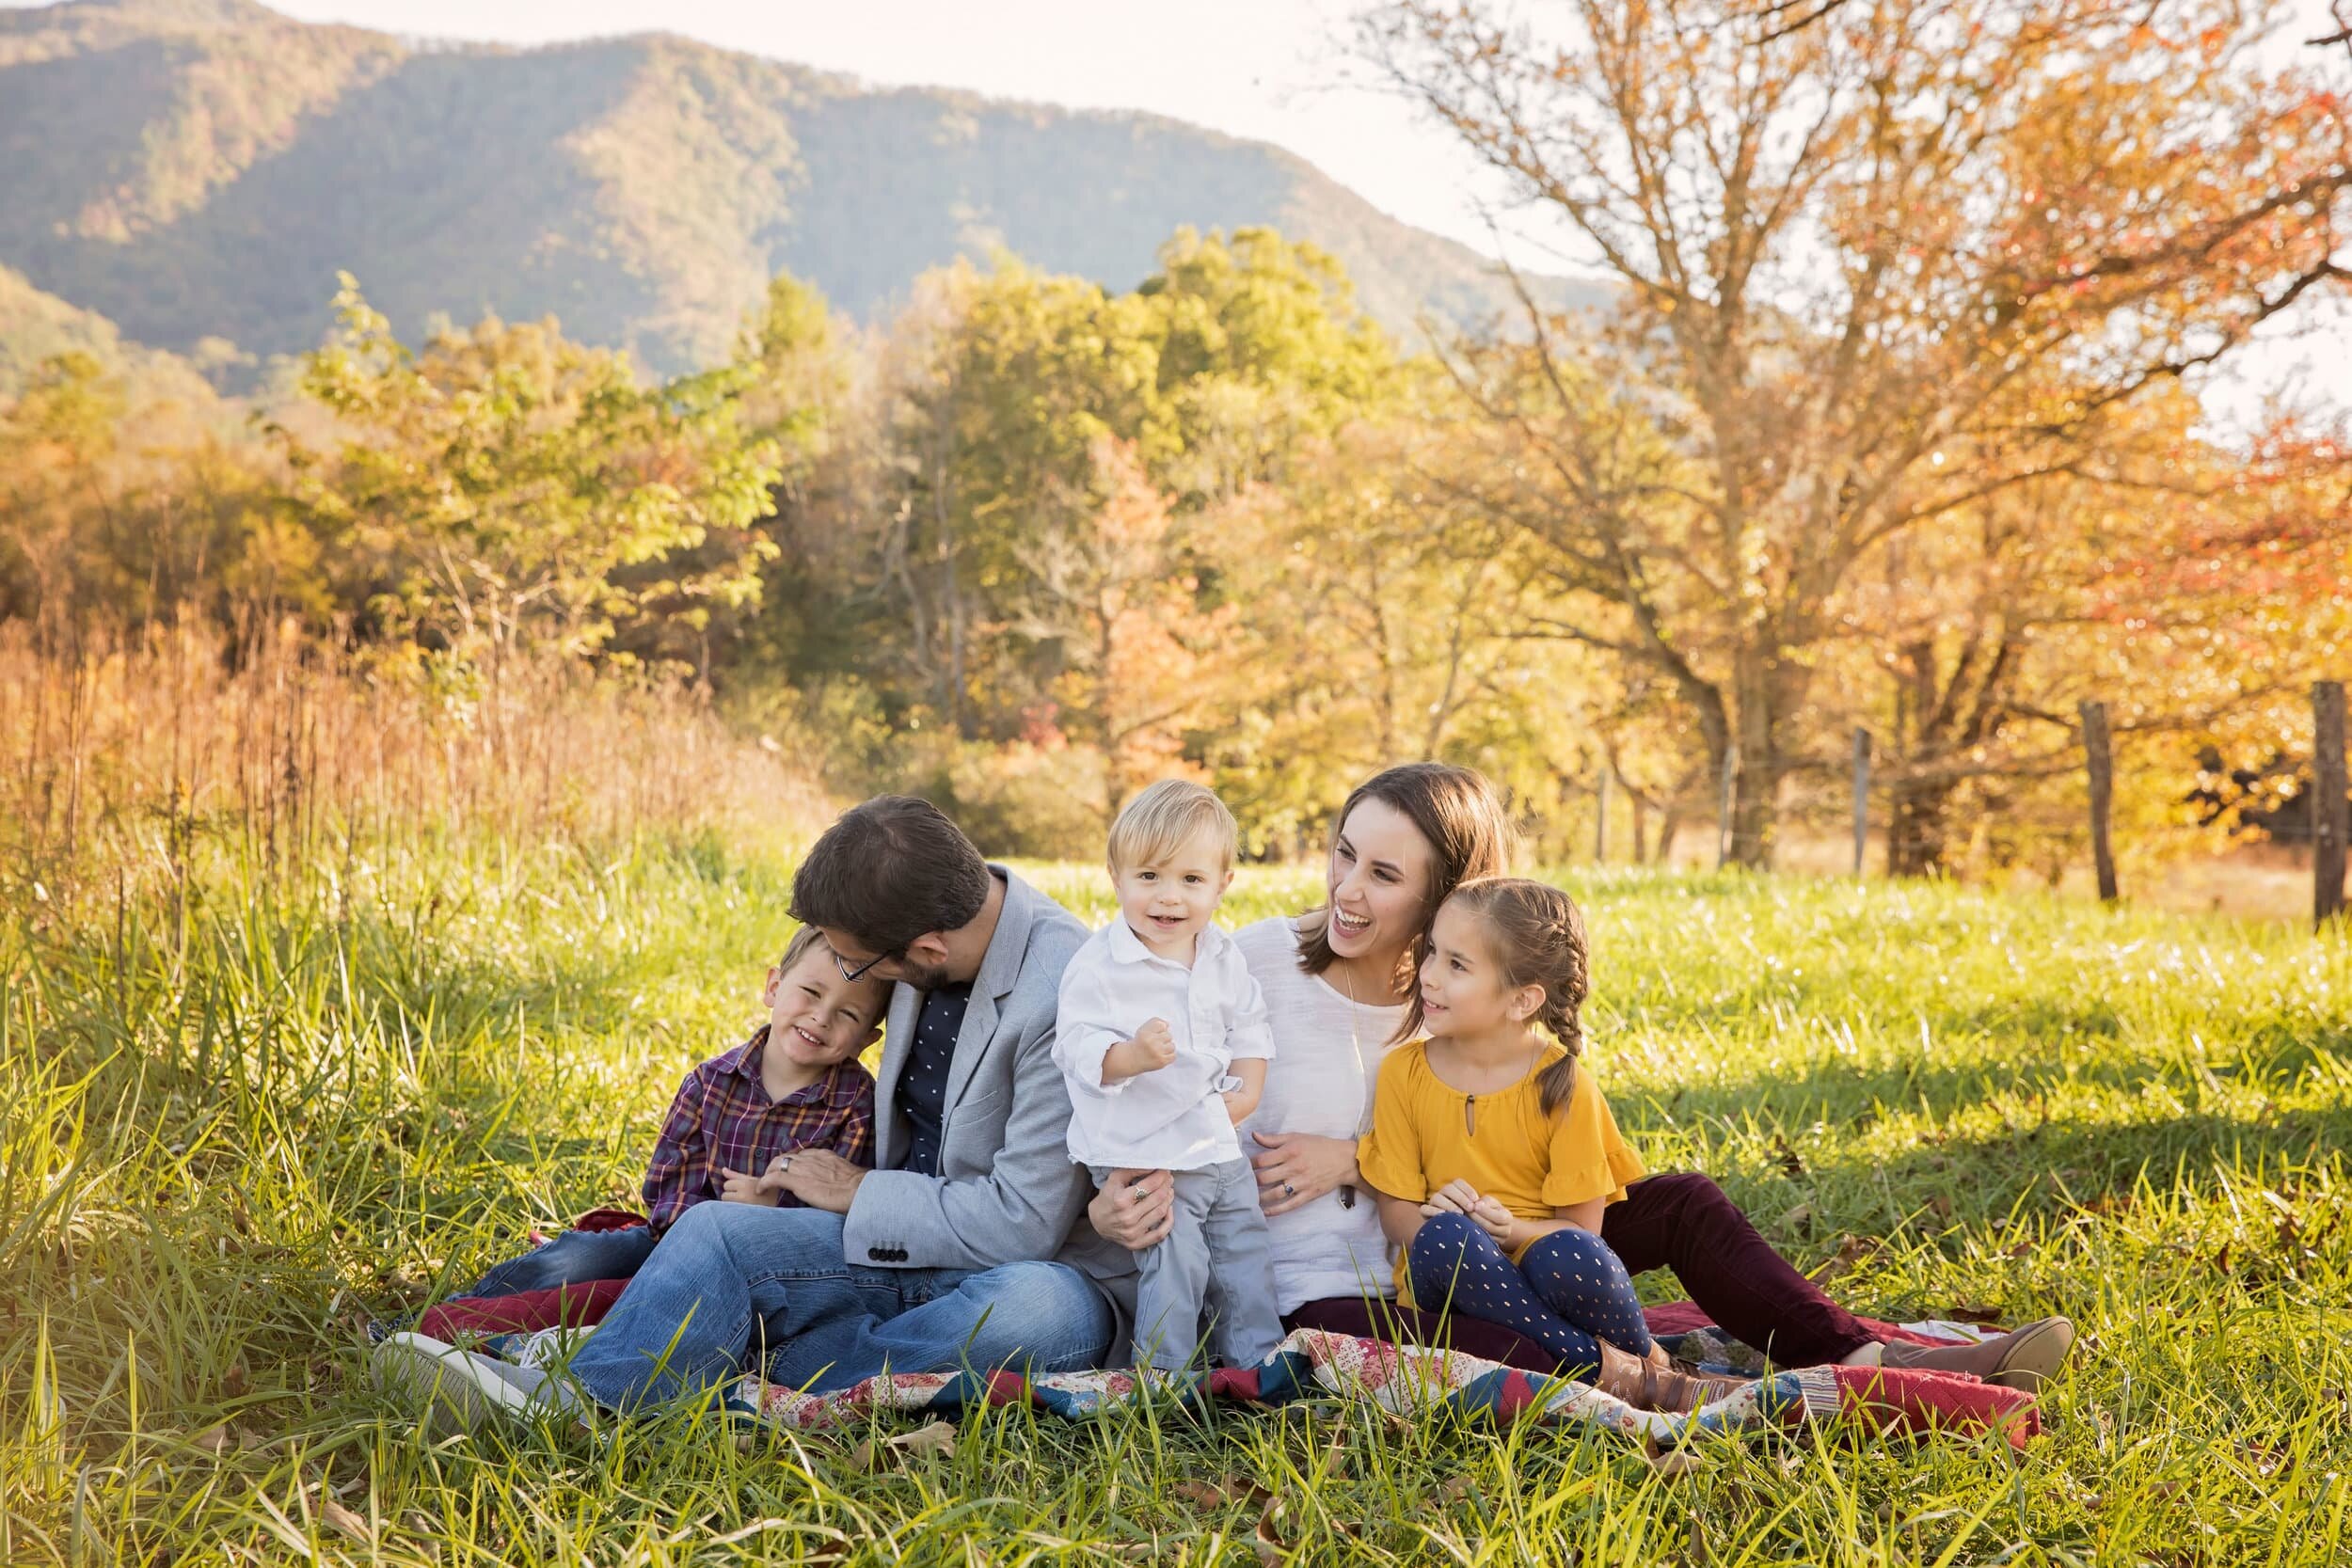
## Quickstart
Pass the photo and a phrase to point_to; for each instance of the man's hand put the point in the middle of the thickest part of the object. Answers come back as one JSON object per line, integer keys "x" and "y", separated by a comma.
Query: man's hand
{"x": 740, "y": 1188}
{"x": 818, "y": 1178}
{"x": 1153, "y": 1048}
{"x": 1136, "y": 1208}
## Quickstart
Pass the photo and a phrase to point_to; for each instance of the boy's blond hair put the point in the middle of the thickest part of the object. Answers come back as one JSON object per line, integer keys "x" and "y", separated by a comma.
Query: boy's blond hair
{"x": 1165, "y": 818}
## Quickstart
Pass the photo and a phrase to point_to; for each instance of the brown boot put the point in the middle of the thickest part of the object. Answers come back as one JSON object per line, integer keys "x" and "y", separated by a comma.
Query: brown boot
{"x": 2024, "y": 1359}
{"x": 1647, "y": 1385}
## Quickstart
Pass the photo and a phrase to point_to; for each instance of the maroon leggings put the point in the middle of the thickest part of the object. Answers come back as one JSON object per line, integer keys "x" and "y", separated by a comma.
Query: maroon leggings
{"x": 1683, "y": 1223}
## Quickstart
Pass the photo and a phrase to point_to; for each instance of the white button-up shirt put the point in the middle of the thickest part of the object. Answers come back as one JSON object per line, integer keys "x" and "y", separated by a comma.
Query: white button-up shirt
{"x": 1172, "y": 1118}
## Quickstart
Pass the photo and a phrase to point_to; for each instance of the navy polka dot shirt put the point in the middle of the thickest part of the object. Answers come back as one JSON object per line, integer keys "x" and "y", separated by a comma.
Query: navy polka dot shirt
{"x": 923, "y": 1082}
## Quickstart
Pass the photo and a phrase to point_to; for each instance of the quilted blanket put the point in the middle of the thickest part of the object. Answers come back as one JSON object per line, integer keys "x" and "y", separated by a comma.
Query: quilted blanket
{"x": 1403, "y": 1380}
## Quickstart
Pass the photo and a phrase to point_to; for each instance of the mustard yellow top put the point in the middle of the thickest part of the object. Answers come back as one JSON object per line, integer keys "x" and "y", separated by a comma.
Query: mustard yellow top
{"x": 1421, "y": 1138}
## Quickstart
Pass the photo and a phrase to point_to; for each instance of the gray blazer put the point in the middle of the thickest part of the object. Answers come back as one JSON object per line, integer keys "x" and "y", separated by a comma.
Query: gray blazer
{"x": 1007, "y": 1191}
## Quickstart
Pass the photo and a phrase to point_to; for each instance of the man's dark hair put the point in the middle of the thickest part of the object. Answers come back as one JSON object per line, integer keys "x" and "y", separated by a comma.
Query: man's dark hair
{"x": 889, "y": 871}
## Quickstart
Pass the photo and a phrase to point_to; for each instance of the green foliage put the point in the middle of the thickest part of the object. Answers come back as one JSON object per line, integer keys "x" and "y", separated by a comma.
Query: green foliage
{"x": 331, "y": 1099}
{"x": 509, "y": 487}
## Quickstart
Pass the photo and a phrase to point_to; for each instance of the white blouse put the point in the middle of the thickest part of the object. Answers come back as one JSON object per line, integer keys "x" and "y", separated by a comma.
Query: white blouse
{"x": 1327, "y": 1053}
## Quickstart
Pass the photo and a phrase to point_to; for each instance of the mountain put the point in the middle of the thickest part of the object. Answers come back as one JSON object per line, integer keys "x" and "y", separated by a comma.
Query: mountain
{"x": 200, "y": 170}
{"x": 35, "y": 326}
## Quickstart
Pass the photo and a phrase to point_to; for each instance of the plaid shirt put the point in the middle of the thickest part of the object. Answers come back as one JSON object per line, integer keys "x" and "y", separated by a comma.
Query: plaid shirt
{"x": 722, "y": 1119}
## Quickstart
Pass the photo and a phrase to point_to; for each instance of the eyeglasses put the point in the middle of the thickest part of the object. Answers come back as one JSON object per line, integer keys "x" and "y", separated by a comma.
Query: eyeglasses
{"x": 859, "y": 973}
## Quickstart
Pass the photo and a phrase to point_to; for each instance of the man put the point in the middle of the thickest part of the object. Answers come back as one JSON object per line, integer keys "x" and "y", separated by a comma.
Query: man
{"x": 964, "y": 1247}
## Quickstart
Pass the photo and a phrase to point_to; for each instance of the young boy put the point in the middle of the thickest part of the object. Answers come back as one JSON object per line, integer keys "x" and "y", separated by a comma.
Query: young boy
{"x": 1163, "y": 1036}
{"x": 796, "y": 1083}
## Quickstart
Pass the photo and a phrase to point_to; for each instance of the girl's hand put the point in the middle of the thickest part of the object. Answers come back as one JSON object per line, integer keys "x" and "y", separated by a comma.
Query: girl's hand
{"x": 1300, "y": 1167}
{"x": 1456, "y": 1197}
{"x": 1495, "y": 1220}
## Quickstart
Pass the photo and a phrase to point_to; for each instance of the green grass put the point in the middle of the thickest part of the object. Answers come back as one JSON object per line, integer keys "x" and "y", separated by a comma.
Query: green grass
{"x": 217, "y": 1155}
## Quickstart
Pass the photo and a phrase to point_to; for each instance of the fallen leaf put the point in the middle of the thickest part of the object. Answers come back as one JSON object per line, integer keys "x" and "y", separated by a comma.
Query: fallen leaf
{"x": 1200, "y": 1494}
{"x": 1940, "y": 1206}
{"x": 1852, "y": 1251}
{"x": 217, "y": 1439}
{"x": 1791, "y": 1160}
{"x": 344, "y": 1520}
{"x": 1271, "y": 1549}
{"x": 1673, "y": 1462}
{"x": 2268, "y": 1460}
{"x": 937, "y": 1437}
{"x": 237, "y": 1380}
{"x": 1457, "y": 1488}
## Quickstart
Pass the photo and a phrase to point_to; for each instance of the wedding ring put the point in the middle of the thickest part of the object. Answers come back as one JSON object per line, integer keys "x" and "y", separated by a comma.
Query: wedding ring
{"x": 1289, "y": 1191}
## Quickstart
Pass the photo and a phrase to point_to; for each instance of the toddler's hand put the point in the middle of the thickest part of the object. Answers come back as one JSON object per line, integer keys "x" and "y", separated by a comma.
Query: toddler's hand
{"x": 1157, "y": 1044}
{"x": 1495, "y": 1219}
{"x": 736, "y": 1187}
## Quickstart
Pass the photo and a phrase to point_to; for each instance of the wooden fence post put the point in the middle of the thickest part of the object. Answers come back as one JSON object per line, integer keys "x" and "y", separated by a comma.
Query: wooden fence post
{"x": 2096, "y": 747}
{"x": 1861, "y": 794}
{"x": 1600, "y": 821}
{"x": 1722, "y": 808}
{"x": 2330, "y": 811}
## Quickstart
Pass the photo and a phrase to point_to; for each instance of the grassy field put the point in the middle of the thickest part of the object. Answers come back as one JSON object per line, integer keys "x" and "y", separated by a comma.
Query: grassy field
{"x": 237, "y": 1116}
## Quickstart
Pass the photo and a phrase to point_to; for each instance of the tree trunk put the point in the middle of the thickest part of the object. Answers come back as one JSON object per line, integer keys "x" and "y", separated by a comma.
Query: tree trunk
{"x": 1917, "y": 826}
{"x": 1756, "y": 787}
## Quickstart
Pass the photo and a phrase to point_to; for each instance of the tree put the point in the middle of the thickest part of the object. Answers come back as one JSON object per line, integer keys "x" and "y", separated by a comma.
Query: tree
{"x": 507, "y": 487}
{"x": 1876, "y": 268}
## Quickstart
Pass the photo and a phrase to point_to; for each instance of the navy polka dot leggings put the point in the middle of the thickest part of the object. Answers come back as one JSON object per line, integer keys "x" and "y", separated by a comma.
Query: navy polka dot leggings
{"x": 1565, "y": 1292}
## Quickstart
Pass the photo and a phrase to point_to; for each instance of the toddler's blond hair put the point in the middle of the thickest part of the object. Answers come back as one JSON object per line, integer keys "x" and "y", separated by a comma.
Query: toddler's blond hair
{"x": 1166, "y": 817}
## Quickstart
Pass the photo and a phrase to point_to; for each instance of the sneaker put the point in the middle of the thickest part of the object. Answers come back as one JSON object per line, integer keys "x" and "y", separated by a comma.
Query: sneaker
{"x": 462, "y": 1391}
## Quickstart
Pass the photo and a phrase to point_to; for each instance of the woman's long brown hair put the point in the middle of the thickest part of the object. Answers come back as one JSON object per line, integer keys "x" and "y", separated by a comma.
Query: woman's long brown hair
{"x": 1460, "y": 817}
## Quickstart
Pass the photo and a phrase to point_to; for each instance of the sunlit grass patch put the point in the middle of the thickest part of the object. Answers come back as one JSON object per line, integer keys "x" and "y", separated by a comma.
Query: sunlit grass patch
{"x": 334, "y": 1097}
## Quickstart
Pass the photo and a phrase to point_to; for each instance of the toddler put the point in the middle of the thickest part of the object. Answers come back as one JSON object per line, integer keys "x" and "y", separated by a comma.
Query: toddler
{"x": 796, "y": 1083}
{"x": 1163, "y": 1036}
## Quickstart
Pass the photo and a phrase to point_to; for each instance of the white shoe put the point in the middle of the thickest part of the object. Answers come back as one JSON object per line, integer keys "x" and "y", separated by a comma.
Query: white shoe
{"x": 462, "y": 1390}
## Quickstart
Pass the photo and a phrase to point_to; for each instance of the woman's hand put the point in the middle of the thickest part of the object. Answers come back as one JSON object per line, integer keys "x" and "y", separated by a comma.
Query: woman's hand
{"x": 1297, "y": 1168}
{"x": 1134, "y": 1208}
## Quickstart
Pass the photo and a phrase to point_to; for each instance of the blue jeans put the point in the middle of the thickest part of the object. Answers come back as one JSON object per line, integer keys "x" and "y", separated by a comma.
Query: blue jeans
{"x": 570, "y": 1258}
{"x": 730, "y": 1281}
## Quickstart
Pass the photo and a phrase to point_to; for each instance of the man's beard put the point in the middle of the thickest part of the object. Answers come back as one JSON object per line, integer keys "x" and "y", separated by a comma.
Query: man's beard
{"x": 922, "y": 976}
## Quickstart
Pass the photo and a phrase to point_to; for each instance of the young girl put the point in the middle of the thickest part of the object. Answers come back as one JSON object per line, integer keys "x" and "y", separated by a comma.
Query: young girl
{"x": 1494, "y": 1152}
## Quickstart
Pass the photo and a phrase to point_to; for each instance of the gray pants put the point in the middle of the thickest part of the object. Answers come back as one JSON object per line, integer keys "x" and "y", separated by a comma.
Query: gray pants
{"x": 1215, "y": 1257}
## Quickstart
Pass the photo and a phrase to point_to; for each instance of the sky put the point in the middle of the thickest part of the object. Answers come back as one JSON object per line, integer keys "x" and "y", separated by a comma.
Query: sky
{"x": 1277, "y": 71}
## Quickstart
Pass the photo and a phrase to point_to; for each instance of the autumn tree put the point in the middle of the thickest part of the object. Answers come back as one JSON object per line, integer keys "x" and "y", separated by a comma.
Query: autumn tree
{"x": 1873, "y": 270}
{"x": 508, "y": 488}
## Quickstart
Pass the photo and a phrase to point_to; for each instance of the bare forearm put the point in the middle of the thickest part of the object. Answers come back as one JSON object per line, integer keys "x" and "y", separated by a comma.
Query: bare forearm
{"x": 1400, "y": 1221}
{"x": 1126, "y": 1060}
{"x": 1241, "y": 1102}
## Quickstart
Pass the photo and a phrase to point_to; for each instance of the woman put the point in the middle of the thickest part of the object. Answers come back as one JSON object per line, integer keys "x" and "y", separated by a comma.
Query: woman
{"x": 1337, "y": 979}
